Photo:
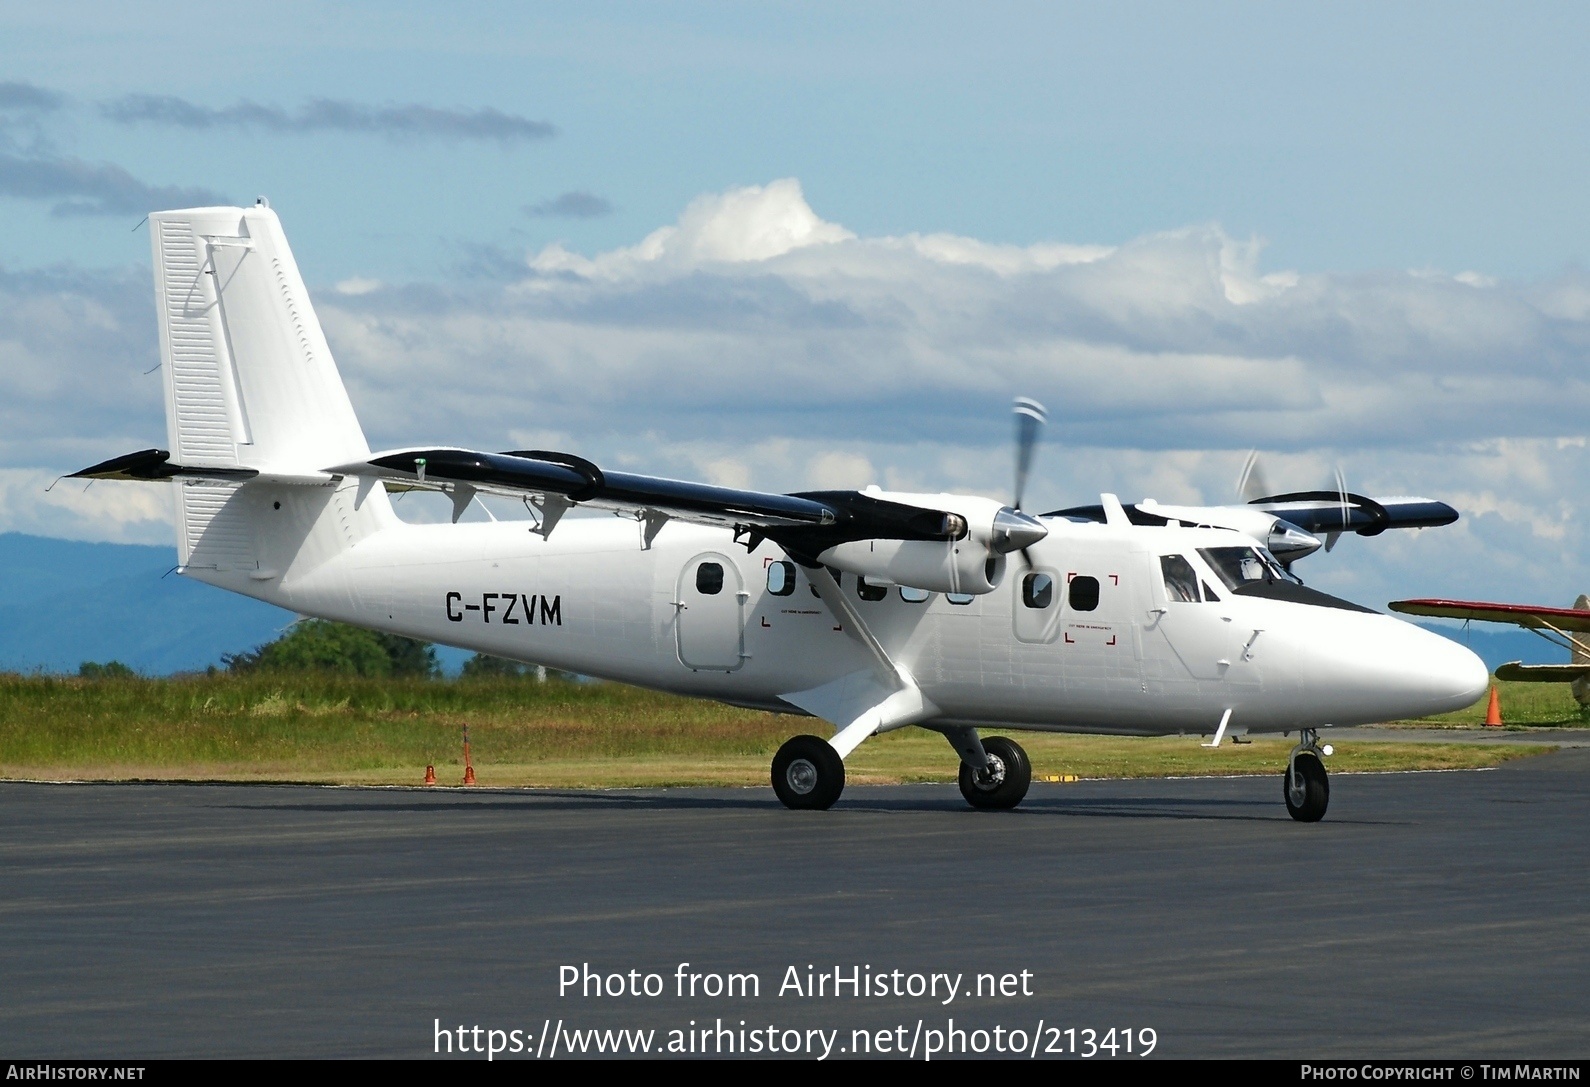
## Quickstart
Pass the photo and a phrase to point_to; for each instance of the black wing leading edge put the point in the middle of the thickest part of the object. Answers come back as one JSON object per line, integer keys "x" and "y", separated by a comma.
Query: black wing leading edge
{"x": 804, "y": 524}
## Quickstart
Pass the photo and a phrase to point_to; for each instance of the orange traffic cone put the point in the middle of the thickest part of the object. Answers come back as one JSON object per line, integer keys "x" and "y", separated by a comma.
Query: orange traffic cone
{"x": 469, "y": 767}
{"x": 1493, "y": 711}
{"x": 430, "y": 775}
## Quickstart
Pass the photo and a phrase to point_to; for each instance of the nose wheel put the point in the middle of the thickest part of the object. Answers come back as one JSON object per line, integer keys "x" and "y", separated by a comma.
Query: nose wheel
{"x": 1002, "y": 783}
{"x": 1305, "y": 784}
{"x": 808, "y": 773}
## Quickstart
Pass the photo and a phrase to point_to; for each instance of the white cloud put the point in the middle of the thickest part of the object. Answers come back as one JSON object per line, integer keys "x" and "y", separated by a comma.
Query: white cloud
{"x": 754, "y": 343}
{"x": 740, "y": 226}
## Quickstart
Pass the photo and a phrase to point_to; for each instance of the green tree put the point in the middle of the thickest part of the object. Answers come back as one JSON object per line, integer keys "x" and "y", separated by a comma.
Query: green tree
{"x": 108, "y": 670}
{"x": 317, "y": 645}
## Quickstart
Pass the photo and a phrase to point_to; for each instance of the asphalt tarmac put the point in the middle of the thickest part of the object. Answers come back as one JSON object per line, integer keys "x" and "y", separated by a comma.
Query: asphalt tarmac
{"x": 1429, "y": 915}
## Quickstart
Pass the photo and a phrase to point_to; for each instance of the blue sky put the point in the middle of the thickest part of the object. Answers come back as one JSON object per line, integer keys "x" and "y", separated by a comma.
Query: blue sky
{"x": 1348, "y": 235}
{"x": 1350, "y": 136}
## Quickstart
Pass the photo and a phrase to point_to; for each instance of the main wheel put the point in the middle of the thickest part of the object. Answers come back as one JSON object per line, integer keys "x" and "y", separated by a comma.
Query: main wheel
{"x": 808, "y": 773}
{"x": 1307, "y": 788}
{"x": 1004, "y": 783}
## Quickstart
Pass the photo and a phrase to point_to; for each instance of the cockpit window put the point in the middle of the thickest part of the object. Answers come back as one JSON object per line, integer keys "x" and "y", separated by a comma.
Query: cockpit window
{"x": 1239, "y": 566}
{"x": 1181, "y": 581}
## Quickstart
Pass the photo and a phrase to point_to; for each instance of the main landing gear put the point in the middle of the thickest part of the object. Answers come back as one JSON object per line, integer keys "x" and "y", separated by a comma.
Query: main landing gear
{"x": 808, "y": 773}
{"x": 1305, "y": 784}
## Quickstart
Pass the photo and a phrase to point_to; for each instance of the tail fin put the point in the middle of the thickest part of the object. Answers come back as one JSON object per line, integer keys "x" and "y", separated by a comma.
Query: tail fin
{"x": 250, "y": 384}
{"x": 249, "y": 379}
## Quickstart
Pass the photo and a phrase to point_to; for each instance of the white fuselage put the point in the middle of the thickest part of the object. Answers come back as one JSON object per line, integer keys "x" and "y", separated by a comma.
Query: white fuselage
{"x": 591, "y": 600}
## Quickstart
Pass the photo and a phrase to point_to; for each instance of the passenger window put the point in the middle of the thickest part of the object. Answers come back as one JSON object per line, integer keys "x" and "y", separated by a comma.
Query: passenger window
{"x": 868, "y": 591}
{"x": 781, "y": 578}
{"x": 1037, "y": 591}
{"x": 959, "y": 598}
{"x": 709, "y": 579}
{"x": 914, "y": 596}
{"x": 1181, "y": 583}
{"x": 1084, "y": 593}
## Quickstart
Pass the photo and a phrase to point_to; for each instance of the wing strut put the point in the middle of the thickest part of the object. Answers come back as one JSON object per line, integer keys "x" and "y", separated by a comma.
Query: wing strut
{"x": 876, "y": 699}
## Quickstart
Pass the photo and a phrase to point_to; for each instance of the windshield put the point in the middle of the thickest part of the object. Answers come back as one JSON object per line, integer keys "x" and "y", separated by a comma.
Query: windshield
{"x": 1239, "y": 566}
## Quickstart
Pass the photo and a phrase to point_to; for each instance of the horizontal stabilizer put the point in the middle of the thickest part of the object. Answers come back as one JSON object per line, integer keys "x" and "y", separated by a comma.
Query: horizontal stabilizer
{"x": 1523, "y": 615}
{"x": 154, "y": 464}
{"x": 1542, "y": 673}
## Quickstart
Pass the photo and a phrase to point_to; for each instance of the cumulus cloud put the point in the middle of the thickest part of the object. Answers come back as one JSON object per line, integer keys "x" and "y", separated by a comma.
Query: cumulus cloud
{"x": 755, "y": 343}
{"x": 330, "y": 115}
{"x": 571, "y": 205}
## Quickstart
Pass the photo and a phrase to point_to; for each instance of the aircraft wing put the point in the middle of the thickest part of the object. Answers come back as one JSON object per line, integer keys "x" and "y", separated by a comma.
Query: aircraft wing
{"x": 809, "y": 522}
{"x": 1334, "y": 511}
{"x": 1542, "y": 673}
{"x": 1523, "y": 615}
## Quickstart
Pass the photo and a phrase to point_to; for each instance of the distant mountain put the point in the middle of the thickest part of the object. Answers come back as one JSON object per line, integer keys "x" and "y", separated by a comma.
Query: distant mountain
{"x": 63, "y": 602}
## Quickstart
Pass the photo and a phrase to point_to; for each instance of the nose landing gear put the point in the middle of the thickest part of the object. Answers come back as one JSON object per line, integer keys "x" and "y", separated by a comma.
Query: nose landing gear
{"x": 1002, "y": 781}
{"x": 1306, "y": 786}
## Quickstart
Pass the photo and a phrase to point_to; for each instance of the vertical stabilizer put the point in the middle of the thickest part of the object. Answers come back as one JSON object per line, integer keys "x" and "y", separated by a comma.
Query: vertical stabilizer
{"x": 250, "y": 383}
{"x": 249, "y": 378}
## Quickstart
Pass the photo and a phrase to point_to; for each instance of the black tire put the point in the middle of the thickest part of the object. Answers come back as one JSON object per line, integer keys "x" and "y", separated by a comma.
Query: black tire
{"x": 808, "y": 774}
{"x": 1012, "y": 775}
{"x": 1307, "y": 788}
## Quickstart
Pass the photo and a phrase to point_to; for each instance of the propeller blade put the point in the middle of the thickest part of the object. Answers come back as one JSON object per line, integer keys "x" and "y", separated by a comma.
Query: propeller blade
{"x": 1030, "y": 419}
{"x": 1252, "y": 485}
{"x": 1341, "y": 490}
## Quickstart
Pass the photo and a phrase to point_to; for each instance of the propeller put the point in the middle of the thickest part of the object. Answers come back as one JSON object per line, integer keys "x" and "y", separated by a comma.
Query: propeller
{"x": 1019, "y": 529}
{"x": 1030, "y": 420}
{"x": 1252, "y": 485}
{"x": 1339, "y": 485}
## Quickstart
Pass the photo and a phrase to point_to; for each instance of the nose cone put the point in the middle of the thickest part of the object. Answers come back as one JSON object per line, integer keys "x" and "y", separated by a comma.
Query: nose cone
{"x": 1014, "y": 530}
{"x": 1450, "y": 675}
{"x": 1403, "y": 671}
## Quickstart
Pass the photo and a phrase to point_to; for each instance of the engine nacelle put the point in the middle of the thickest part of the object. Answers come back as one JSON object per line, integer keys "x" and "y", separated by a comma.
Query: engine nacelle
{"x": 951, "y": 566}
{"x": 973, "y": 562}
{"x": 1284, "y": 540}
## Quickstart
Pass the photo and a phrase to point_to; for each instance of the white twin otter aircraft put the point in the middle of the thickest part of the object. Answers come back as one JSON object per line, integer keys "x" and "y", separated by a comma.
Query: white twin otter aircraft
{"x": 870, "y": 609}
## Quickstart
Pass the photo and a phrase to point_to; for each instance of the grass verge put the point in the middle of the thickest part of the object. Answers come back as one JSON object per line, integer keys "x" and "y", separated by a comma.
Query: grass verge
{"x": 347, "y": 730}
{"x": 1523, "y": 705}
